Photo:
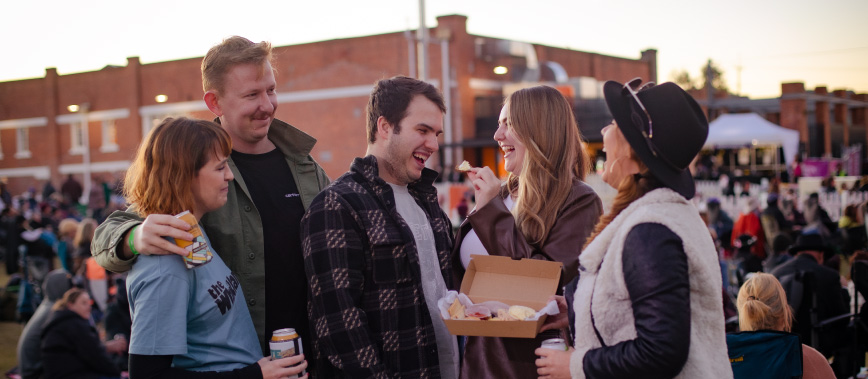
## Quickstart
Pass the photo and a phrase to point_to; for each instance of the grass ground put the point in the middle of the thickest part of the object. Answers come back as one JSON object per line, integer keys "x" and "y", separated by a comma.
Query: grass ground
{"x": 9, "y": 333}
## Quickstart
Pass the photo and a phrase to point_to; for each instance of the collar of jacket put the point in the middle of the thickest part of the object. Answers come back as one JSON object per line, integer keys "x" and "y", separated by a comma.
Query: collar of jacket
{"x": 294, "y": 143}
{"x": 367, "y": 167}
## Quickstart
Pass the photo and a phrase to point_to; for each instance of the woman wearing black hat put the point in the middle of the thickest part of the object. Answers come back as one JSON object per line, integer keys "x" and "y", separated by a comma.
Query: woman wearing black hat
{"x": 648, "y": 299}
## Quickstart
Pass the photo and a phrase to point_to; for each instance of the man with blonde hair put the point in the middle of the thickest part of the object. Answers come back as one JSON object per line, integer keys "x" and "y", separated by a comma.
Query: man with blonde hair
{"x": 257, "y": 231}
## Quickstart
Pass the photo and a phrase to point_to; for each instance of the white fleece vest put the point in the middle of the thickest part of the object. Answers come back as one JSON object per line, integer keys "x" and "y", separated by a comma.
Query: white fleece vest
{"x": 613, "y": 312}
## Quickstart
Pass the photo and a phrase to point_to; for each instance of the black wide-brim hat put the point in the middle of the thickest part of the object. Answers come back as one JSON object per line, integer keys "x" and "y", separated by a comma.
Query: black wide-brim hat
{"x": 679, "y": 130}
{"x": 811, "y": 242}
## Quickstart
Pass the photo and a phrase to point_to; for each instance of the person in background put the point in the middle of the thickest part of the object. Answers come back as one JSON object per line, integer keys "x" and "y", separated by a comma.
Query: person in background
{"x": 545, "y": 210}
{"x": 71, "y": 347}
{"x": 96, "y": 200}
{"x": 749, "y": 223}
{"x": 48, "y": 190}
{"x": 797, "y": 168}
{"x": 773, "y": 220}
{"x": 850, "y": 218}
{"x": 462, "y": 208}
{"x": 30, "y": 343}
{"x": 648, "y": 300}
{"x": 780, "y": 247}
{"x": 746, "y": 262}
{"x": 721, "y": 224}
{"x": 762, "y": 305}
{"x": 376, "y": 248}
{"x": 81, "y": 242}
{"x": 71, "y": 190}
{"x": 277, "y": 179}
{"x": 810, "y": 252}
{"x": 38, "y": 238}
{"x": 65, "y": 246}
{"x": 817, "y": 220}
{"x": 118, "y": 322}
{"x": 190, "y": 323}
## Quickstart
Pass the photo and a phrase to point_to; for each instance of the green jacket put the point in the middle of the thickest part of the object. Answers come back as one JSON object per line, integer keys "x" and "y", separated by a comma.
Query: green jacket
{"x": 235, "y": 230}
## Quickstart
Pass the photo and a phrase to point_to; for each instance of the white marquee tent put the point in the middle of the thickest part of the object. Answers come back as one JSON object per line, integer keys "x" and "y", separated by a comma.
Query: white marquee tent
{"x": 749, "y": 129}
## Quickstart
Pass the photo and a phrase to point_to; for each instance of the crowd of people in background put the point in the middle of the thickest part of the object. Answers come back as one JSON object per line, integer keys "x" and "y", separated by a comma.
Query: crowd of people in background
{"x": 813, "y": 257}
{"x": 45, "y": 241}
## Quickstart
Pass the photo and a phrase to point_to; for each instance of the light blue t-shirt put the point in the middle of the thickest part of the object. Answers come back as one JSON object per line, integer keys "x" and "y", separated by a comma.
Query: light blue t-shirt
{"x": 199, "y": 315}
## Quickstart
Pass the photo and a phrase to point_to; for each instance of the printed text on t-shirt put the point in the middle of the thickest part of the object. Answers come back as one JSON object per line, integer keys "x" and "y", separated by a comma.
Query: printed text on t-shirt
{"x": 224, "y": 295}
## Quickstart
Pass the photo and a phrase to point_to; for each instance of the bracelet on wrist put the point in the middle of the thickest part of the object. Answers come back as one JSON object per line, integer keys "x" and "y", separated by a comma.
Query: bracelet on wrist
{"x": 131, "y": 239}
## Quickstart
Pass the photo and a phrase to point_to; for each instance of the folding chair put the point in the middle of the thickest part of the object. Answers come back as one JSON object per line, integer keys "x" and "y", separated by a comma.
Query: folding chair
{"x": 765, "y": 354}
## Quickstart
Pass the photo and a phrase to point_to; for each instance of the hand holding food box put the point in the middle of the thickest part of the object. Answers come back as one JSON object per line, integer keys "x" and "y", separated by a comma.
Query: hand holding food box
{"x": 502, "y": 297}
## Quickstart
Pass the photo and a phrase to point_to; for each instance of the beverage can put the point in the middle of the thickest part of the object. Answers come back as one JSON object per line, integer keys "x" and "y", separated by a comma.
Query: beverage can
{"x": 285, "y": 343}
{"x": 198, "y": 252}
{"x": 554, "y": 344}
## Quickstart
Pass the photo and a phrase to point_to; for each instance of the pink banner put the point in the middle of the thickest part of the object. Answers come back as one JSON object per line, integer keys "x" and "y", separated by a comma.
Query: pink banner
{"x": 819, "y": 167}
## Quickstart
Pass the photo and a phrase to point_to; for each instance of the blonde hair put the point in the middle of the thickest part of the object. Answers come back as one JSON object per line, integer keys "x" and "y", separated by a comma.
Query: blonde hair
{"x": 762, "y": 304}
{"x": 67, "y": 226}
{"x": 84, "y": 234}
{"x": 232, "y": 51}
{"x": 159, "y": 181}
{"x": 554, "y": 156}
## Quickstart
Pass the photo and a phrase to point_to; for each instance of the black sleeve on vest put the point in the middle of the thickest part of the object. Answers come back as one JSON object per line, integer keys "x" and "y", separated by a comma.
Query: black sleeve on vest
{"x": 655, "y": 272}
{"x": 160, "y": 366}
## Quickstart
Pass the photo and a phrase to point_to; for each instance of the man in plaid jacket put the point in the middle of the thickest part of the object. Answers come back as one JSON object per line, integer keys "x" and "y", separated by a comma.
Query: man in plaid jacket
{"x": 376, "y": 248}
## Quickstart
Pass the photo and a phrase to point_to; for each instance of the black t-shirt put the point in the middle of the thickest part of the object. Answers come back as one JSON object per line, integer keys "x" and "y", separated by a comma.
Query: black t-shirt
{"x": 275, "y": 194}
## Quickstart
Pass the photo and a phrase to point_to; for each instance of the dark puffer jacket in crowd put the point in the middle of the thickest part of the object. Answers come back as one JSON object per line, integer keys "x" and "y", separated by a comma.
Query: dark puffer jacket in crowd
{"x": 71, "y": 349}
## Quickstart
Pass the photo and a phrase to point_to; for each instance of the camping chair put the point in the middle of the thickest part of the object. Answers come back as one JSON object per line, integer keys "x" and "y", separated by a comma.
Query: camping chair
{"x": 765, "y": 354}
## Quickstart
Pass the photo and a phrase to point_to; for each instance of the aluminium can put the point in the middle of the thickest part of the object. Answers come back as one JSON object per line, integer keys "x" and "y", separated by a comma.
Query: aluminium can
{"x": 285, "y": 343}
{"x": 554, "y": 344}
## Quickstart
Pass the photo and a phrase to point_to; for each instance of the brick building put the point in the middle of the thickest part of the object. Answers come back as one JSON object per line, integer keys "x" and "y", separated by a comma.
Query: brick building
{"x": 829, "y": 123}
{"x": 322, "y": 89}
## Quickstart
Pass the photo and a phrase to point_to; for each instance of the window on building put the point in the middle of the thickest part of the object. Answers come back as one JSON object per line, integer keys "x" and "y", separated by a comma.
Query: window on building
{"x": 76, "y": 138}
{"x": 22, "y": 143}
{"x": 109, "y": 137}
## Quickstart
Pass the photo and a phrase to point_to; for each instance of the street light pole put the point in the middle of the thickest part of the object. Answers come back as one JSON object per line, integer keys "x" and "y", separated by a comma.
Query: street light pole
{"x": 422, "y": 43}
{"x": 85, "y": 136}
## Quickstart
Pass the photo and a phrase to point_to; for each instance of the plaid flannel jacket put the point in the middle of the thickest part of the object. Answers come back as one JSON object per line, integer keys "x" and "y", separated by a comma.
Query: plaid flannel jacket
{"x": 367, "y": 306}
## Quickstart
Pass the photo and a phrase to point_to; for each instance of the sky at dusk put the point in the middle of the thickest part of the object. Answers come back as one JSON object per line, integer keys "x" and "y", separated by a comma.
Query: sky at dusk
{"x": 758, "y": 44}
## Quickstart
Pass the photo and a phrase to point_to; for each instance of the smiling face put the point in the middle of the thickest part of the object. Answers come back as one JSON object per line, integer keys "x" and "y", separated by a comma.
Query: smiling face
{"x": 81, "y": 305}
{"x": 211, "y": 186}
{"x": 513, "y": 150}
{"x": 246, "y": 105}
{"x": 402, "y": 156}
{"x": 619, "y": 161}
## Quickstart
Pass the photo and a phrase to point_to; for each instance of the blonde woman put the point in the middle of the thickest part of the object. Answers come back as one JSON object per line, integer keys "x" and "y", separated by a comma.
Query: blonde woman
{"x": 544, "y": 211}
{"x": 762, "y": 305}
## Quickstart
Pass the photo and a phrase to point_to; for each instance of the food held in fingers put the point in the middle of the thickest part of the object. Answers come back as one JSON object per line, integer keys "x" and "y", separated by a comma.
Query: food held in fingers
{"x": 464, "y": 166}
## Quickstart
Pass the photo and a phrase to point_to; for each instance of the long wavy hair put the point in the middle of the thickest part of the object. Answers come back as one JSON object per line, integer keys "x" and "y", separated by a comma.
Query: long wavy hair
{"x": 543, "y": 121}
{"x": 160, "y": 178}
